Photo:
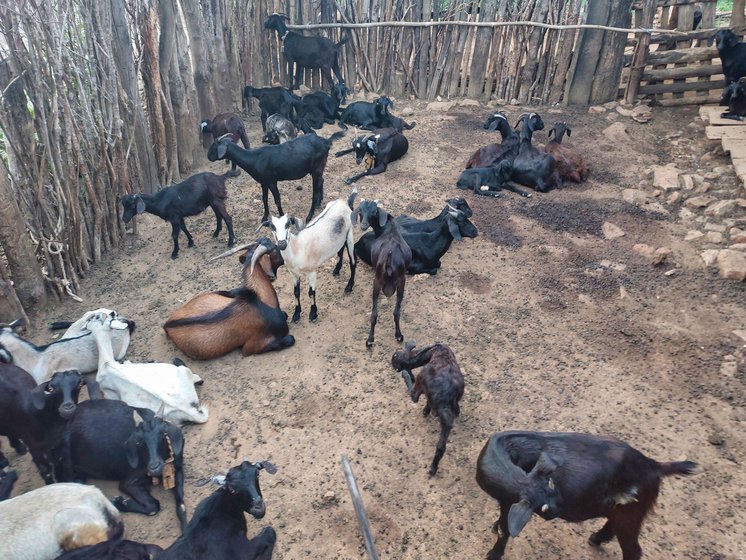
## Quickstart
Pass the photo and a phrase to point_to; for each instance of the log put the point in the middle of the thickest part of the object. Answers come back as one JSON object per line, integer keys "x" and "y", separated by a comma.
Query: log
{"x": 590, "y": 44}
{"x": 693, "y": 54}
{"x": 690, "y": 100}
{"x": 678, "y": 87}
{"x": 609, "y": 69}
{"x": 641, "y": 56}
{"x": 357, "y": 501}
{"x": 706, "y": 70}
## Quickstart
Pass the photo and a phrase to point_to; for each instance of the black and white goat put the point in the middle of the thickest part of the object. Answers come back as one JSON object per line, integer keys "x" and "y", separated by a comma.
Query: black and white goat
{"x": 377, "y": 149}
{"x": 311, "y": 246}
{"x": 279, "y": 130}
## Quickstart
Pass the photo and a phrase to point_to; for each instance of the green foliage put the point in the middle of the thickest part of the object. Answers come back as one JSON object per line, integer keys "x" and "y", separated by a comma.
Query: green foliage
{"x": 724, "y": 5}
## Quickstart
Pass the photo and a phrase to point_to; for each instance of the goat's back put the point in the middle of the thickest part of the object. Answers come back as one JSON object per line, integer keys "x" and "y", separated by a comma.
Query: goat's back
{"x": 390, "y": 257}
{"x": 569, "y": 163}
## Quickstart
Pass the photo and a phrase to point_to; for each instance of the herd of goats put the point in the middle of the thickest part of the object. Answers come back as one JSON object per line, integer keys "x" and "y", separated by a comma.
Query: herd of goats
{"x": 129, "y": 429}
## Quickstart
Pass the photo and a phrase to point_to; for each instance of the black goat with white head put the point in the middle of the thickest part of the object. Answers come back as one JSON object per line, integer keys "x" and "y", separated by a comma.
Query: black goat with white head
{"x": 575, "y": 477}
{"x": 377, "y": 150}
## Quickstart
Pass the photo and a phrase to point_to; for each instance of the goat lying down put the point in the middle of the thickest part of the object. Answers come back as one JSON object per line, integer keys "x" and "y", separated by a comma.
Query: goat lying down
{"x": 46, "y": 522}
{"x": 75, "y": 350}
{"x": 575, "y": 477}
{"x": 166, "y": 387}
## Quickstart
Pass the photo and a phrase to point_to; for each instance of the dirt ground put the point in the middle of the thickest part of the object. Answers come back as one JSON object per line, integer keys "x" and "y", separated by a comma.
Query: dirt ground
{"x": 548, "y": 337}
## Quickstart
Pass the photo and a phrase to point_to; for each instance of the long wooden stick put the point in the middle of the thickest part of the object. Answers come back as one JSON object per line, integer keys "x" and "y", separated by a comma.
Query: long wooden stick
{"x": 357, "y": 501}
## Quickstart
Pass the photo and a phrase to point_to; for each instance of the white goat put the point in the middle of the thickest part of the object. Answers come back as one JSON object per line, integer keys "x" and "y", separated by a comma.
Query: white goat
{"x": 152, "y": 386}
{"x": 46, "y": 522}
{"x": 75, "y": 350}
{"x": 305, "y": 251}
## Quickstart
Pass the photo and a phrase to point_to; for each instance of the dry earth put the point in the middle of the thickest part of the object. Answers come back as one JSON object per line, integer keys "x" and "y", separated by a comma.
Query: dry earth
{"x": 555, "y": 327}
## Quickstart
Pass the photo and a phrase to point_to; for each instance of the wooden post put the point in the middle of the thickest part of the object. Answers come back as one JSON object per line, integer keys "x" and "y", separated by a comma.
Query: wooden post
{"x": 640, "y": 56}
{"x": 590, "y": 44}
{"x": 357, "y": 501}
{"x": 609, "y": 70}
{"x": 481, "y": 50}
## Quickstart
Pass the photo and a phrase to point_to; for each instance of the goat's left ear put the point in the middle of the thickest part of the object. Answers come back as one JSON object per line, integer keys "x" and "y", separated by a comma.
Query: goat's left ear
{"x": 551, "y": 132}
{"x": 177, "y": 439}
{"x": 140, "y": 205}
{"x": 222, "y": 149}
{"x": 453, "y": 228}
{"x": 519, "y": 515}
{"x": 130, "y": 451}
{"x": 38, "y": 396}
{"x": 353, "y": 217}
{"x": 267, "y": 466}
{"x": 382, "y": 217}
{"x": 568, "y": 130}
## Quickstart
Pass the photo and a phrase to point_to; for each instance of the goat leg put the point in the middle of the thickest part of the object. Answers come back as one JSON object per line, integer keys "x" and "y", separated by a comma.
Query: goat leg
{"x": 408, "y": 378}
{"x": 344, "y": 152}
{"x": 338, "y": 266}
{"x": 18, "y": 445}
{"x": 175, "y": 236}
{"x": 219, "y": 223}
{"x": 353, "y": 265}
{"x": 140, "y": 501}
{"x": 511, "y": 187}
{"x": 501, "y": 528}
{"x": 380, "y": 168}
{"x": 296, "y": 292}
{"x": 313, "y": 316}
{"x": 265, "y": 201}
{"x": 373, "y": 314}
{"x": 603, "y": 535}
{"x": 446, "y": 425}
{"x": 182, "y": 224}
{"x": 397, "y": 308}
{"x": 276, "y": 196}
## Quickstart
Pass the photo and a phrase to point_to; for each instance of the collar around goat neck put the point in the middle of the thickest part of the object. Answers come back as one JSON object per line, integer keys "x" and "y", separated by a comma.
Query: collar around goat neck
{"x": 284, "y": 35}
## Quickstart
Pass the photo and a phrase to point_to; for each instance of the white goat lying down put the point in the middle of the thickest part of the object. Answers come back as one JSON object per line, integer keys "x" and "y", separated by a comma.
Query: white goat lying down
{"x": 46, "y": 522}
{"x": 152, "y": 386}
{"x": 75, "y": 350}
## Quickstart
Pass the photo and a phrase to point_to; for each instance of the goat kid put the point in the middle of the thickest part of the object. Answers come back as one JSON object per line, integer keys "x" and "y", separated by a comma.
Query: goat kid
{"x": 378, "y": 149}
{"x": 218, "y": 527}
{"x": 390, "y": 257}
{"x": 46, "y": 522}
{"x": 136, "y": 446}
{"x": 372, "y": 115}
{"x": 440, "y": 380}
{"x": 570, "y": 164}
{"x": 76, "y": 350}
{"x": 575, "y": 477}
{"x": 287, "y": 162}
{"x": 311, "y": 246}
{"x": 188, "y": 198}
{"x": 319, "y": 107}
{"x": 279, "y": 130}
{"x": 211, "y": 325}
{"x": 489, "y": 181}
{"x": 734, "y": 97}
{"x": 166, "y": 387}
{"x": 116, "y": 549}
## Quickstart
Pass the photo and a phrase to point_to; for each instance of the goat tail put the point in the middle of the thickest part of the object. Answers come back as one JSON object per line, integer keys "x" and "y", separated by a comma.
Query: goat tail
{"x": 336, "y": 136}
{"x": 345, "y": 39}
{"x": 59, "y": 325}
{"x": 351, "y": 199}
{"x": 684, "y": 468}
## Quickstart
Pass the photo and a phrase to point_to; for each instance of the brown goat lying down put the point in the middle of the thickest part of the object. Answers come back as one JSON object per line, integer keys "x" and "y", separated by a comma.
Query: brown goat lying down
{"x": 570, "y": 164}
{"x": 575, "y": 477}
{"x": 212, "y": 324}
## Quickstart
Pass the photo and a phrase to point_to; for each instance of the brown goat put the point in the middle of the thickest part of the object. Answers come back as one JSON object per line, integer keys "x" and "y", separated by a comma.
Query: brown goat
{"x": 440, "y": 380}
{"x": 570, "y": 164}
{"x": 211, "y": 325}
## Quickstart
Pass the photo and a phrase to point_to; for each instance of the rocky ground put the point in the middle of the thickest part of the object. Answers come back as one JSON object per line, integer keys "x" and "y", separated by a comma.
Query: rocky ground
{"x": 612, "y": 307}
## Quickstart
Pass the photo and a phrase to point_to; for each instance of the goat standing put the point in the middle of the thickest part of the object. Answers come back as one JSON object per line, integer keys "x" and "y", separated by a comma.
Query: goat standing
{"x": 574, "y": 477}
{"x": 390, "y": 257}
{"x": 440, "y": 380}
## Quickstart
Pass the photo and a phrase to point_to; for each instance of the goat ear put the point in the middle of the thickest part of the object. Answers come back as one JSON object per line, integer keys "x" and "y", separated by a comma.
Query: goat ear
{"x": 38, "y": 398}
{"x": 453, "y": 228}
{"x": 222, "y": 149}
{"x": 519, "y": 515}
{"x": 177, "y": 439}
{"x": 267, "y": 466}
{"x": 130, "y": 450}
{"x": 353, "y": 217}
{"x": 382, "y": 217}
{"x": 568, "y": 131}
{"x": 140, "y": 205}
{"x": 551, "y": 132}
{"x": 409, "y": 346}
{"x": 94, "y": 389}
{"x": 137, "y": 418}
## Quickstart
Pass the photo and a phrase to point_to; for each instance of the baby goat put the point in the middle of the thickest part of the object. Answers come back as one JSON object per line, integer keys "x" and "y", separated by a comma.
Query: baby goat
{"x": 226, "y": 123}
{"x": 734, "y": 97}
{"x": 489, "y": 181}
{"x": 441, "y": 382}
{"x": 378, "y": 149}
{"x": 390, "y": 257}
{"x": 279, "y": 130}
{"x": 212, "y": 324}
{"x": 305, "y": 251}
{"x": 188, "y": 198}
{"x": 575, "y": 477}
{"x": 570, "y": 164}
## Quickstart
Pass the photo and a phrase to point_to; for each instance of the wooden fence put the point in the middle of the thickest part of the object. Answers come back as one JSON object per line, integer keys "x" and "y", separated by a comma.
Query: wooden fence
{"x": 673, "y": 69}
{"x": 527, "y": 64}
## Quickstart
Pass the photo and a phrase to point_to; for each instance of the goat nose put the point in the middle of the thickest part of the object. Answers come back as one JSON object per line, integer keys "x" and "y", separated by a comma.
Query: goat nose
{"x": 282, "y": 245}
{"x": 155, "y": 467}
{"x": 66, "y": 410}
{"x": 258, "y": 509}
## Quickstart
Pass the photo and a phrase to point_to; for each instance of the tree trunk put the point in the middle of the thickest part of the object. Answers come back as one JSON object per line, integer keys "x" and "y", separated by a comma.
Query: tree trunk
{"x": 737, "y": 16}
{"x": 10, "y": 308}
{"x": 202, "y": 71}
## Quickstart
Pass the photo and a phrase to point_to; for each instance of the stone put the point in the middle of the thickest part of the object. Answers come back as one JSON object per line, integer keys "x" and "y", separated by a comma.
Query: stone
{"x": 441, "y": 106}
{"x": 714, "y": 237}
{"x": 704, "y": 187}
{"x": 738, "y": 238}
{"x": 611, "y": 105}
{"x": 469, "y": 103}
{"x": 721, "y": 208}
{"x": 710, "y": 256}
{"x": 693, "y": 235}
{"x": 740, "y": 334}
{"x": 624, "y": 111}
{"x": 644, "y": 250}
{"x": 407, "y": 112}
{"x": 657, "y": 193}
{"x": 597, "y": 109}
{"x": 617, "y": 133}
{"x": 612, "y": 231}
{"x": 709, "y": 226}
{"x": 329, "y": 497}
{"x": 732, "y": 265}
{"x": 741, "y": 202}
{"x": 686, "y": 182}
{"x": 698, "y": 179}
{"x": 674, "y": 197}
{"x": 634, "y": 196}
{"x": 738, "y": 247}
{"x": 715, "y": 439}
{"x": 685, "y": 214}
{"x": 711, "y": 176}
{"x": 661, "y": 254}
{"x": 699, "y": 201}
{"x": 666, "y": 177}
{"x": 642, "y": 114}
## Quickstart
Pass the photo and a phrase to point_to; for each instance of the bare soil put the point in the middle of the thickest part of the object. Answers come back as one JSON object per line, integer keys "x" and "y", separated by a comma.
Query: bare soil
{"x": 548, "y": 339}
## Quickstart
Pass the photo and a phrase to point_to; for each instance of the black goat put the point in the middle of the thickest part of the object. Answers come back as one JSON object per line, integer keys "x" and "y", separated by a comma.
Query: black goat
{"x": 428, "y": 240}
{"x": 135, "y": 446}
{"x": 390, "y": 257}
{"x": 319, "y": 107}
{"x": 489, "y": 181}
{"x": 732, "y": 55}
{"x": 188, "y": 198}
{"x": 378, "y": 149}
{"x": 372, "y": 115}
{"x": 289, "y": 161}
{"x": 217, "y": 530}
{"x": 533, "y": 167}
{"x": 440, "y": 380}
{"x": 734, "y": 97}
{"x": 307, "y": 52}
{"x": 37, "y": 414}
{"x": 574, "y": 477}
{"x": 492, "y": 154}
{"x": 7, "y": 480}
{"x": 274, "y": 100}
{"x": 117, "y": 549}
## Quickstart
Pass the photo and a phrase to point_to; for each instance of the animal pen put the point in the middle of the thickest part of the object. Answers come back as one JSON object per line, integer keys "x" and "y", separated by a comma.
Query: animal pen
{"x": 106, "y": 95}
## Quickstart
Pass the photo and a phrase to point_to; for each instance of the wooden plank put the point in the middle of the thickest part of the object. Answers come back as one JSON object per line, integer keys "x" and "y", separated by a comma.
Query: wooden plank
{"x": 711, "y": 115}
{"x": 719, "y": 132}
{"x": 694, "y": 54}
{"x": 737, "y": 145}
{"x": 682, "y": 86}
{"x": 688, "y": 100}
{"x": 693, "y": 71}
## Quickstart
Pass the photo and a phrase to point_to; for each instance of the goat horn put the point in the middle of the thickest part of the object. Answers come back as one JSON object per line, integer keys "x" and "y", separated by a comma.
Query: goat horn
{"x": 230, "y": 252}
{"x": 226, "y": 135}
{"x": 265, "y": 223}
{"x": 257, "y": 255}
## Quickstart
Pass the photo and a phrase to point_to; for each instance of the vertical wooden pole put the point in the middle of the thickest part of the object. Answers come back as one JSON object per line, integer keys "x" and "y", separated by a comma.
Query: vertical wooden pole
{"x": 640, "y": 56}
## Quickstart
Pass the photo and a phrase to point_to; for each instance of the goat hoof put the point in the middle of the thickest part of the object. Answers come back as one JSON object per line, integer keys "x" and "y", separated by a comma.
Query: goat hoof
{"x": 369, "y": 343}
{"x": 174, "y": 256}
{"x": 399, "y": 338}
{"x": 215, "y": 234}
{"x": 190, "y": 244}
{"x": 313, "y": 317}
{"x": 348, "y": 289}
{"x": 296, "y": 317}
{"x": 348, "y": 181}
{"x": 431, "y": 471}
